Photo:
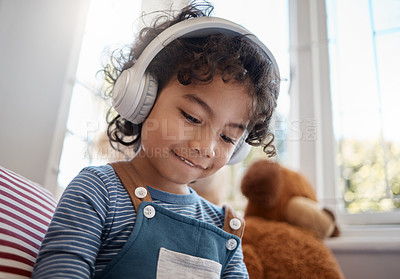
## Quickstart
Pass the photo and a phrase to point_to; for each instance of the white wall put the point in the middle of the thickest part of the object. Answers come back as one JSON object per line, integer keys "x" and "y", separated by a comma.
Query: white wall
{"x": 368, "y": 252}
{"x": 39, "y": 49}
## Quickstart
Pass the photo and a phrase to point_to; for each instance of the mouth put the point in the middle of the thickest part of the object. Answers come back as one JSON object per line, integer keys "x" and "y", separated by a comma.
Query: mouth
{"x": 193, "y": 165}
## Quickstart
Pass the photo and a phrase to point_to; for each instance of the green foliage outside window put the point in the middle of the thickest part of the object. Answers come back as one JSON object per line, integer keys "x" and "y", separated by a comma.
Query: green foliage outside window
{"x": 369, "y": 175}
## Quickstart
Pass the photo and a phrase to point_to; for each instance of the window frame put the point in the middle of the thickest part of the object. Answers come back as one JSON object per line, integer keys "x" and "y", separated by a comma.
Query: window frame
{"x": 311, "y": 102}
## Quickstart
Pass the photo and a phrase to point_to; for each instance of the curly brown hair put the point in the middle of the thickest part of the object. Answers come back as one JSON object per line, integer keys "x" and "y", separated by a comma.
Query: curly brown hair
{"x": 198, "y": 60}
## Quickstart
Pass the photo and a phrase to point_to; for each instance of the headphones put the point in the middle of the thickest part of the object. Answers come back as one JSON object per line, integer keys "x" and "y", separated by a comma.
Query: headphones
{"x": 135, "y": 90}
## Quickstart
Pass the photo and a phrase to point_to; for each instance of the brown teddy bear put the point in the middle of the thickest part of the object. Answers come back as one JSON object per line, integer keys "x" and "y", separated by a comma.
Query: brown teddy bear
{"x": 285, "y": 226}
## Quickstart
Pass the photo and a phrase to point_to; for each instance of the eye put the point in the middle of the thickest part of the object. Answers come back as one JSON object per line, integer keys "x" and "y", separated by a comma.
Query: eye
{"x": 190, "y": 118}
{"x": 227, "y": 139}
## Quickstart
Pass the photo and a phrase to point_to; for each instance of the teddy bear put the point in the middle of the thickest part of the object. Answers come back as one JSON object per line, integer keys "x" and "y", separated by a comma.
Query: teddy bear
{"x": 285, "y": 226}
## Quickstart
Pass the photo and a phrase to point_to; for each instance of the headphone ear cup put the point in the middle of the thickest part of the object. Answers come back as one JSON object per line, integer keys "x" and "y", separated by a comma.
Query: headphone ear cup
{"x": 147, "y": 100}
{"x": 134, "y": 99}
{"x": 241, "y": 151}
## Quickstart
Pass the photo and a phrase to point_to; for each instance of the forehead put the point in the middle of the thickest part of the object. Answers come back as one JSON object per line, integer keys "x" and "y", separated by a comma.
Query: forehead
{"x": 230, "y": 98}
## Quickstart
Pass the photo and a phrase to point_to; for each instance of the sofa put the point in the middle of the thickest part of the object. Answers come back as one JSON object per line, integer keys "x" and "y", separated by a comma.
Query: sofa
{"x": 26, "y": 209}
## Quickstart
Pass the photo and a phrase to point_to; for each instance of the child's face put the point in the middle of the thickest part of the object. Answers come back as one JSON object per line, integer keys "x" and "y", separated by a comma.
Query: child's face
{"x": 192, "y": 130}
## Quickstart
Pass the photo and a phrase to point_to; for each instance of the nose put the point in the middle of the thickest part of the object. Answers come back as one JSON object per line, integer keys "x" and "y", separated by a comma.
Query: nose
{"x": 203, "y": 144}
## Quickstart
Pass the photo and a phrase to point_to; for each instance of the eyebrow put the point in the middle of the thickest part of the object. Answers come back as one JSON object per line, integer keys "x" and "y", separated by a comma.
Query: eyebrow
{"x": 197, "y": 100}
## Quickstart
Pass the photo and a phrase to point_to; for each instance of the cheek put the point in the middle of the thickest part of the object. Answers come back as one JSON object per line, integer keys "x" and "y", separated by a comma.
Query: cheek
{"x": 161, "y": 131}
{"x": 222, "y": 155}
{"x": 149, "y": 132}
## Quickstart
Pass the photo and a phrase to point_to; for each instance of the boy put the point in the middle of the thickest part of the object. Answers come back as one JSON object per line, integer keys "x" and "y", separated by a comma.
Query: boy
{"x": 191, "y": 91}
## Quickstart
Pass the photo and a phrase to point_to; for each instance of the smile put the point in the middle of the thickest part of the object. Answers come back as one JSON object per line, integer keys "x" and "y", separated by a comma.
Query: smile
{"x": 189, "y": 163}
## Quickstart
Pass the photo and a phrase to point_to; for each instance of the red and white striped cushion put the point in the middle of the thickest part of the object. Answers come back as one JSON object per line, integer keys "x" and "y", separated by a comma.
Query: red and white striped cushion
{"x": 26, "y": 209}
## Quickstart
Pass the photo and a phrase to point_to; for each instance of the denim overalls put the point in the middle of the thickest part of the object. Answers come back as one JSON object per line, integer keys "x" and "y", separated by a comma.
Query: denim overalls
{"x": 164, "y": 244}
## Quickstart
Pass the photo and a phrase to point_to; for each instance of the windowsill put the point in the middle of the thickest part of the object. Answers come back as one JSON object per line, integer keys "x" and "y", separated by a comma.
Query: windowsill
{"x": 363, "y": 238}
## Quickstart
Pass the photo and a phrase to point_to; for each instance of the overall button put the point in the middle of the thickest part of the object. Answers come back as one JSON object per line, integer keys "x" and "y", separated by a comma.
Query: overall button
{"x": 235, "y": 224}
{"x": 149, "y": 211}
{"x": 231, "y": 244}
{"x": 140, "y": 192}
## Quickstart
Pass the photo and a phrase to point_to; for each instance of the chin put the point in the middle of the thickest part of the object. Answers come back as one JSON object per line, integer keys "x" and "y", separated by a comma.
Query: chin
{"x": 179, "y": 179}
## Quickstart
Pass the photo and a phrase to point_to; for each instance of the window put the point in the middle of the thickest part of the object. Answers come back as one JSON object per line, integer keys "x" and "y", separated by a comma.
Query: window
{"x": 109, "y": 26}
{"x": 315, "y": 112}
{"x": 364, "y": 39}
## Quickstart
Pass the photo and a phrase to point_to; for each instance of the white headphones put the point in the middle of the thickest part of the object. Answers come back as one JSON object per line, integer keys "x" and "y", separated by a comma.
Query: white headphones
{"x": 135, "y": 90}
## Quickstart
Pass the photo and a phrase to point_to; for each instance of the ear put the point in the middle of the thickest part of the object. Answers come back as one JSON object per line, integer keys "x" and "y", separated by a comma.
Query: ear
{"x": 306, "y": 213}
{"x": 336, "y": 231}
{"x": 262, "y": 183}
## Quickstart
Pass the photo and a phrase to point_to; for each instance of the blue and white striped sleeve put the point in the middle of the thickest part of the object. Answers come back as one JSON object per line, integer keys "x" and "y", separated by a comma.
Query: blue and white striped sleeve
{"x": 73, "y": 239}
{"x": 236, "y": 268}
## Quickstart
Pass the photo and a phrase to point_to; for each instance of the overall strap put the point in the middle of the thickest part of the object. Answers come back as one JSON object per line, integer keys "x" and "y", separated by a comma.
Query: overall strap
{"x": 234, "y": 224}
{"x": 138, "y": 192}
{"x": 136, "y": 189}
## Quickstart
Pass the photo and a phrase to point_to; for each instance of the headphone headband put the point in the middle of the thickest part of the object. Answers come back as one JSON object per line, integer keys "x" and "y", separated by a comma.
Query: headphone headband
{"x": 131, "y": 80}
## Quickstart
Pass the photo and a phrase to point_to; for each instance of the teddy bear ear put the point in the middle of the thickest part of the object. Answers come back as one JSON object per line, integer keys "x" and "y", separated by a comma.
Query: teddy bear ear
{"x": 262, "y": 182}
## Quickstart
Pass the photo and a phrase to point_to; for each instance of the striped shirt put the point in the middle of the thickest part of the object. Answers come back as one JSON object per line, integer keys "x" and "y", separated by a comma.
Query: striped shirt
{"x": 95, "y": 218}
{"x": 25, "y": 213}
